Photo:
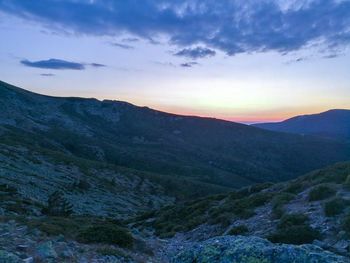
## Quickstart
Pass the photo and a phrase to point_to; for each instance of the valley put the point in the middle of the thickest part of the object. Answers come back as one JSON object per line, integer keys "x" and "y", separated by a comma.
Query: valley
{"x": 76, "y": 173}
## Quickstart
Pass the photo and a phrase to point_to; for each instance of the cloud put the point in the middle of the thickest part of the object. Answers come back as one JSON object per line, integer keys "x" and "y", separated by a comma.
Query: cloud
{"x": 195, "y": 53}
{"x": 164, "y": 64}
{"x": 189, "y": 64}
{"x": 232, "y": 26}
{"x": 130, "y": 39}
{"x": 53, "y": 64}
{"x": 97, "y": 65}
{"x": 47, "y": 75}
{"x": 332, "y": 56}
{"x": 123, "y": 46}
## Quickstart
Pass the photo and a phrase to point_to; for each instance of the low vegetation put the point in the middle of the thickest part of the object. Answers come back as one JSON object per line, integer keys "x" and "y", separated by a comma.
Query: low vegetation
{"x": 57, "y": 205}
{"x": 107, "y": 234}
{"x": 346, "y": 222}
{"x": 334, "y": 206}
{"x": 85, "y": 229}
{"x": 321, "y": 192}
{"x": 293, "y": 229}
{"x": 238, "y": 230}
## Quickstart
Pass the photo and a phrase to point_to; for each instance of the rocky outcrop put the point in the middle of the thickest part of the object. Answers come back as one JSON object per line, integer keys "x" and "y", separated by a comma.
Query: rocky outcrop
{"x": 237, "y": 249}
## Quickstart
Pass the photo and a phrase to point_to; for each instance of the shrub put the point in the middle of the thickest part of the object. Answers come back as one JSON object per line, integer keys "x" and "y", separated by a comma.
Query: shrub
{"x": 299, "y": 234}
{"x": 256, "y": 188}
{"x": 82, "y": 185}
{"x": 108, "y": 234}
{"x": 57, "y": 205}
{"x": 223, "y": 219}
{"x": 107, "y": 251}
{"x": 334, "y": 207}
{"x": 291, "y": 220}
{"x": 346, "y": 222}
{"x": 347, "y": 183}
{"x": 258, "y": 199}
{"x": 321, "y": 192}
{"x": 294, "y": 188}
{"x": 293, "y": 229}
{"x": 278, "y": 202}
{"x": 238, "y": 230}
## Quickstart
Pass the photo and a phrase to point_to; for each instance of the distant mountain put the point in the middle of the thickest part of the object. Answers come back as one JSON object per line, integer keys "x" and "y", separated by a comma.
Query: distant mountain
{"x": 332, "y": 123}
{"x": 177, "y": 152}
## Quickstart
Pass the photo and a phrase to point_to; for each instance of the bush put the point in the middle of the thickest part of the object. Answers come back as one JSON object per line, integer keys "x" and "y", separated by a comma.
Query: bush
{"x": 299, "y": 234}
{"x": 57, "y": 205}
{"x": 334, "y": 207}
{"x": 108, "y": 234}
{"x": 238, "y": 230}
{"x": 278, "y": 202}
{"x": 224, "y": 220}
{"x": 293, "y": 229}
{"x": 292, "y": 220}
{"x": 321, "y": 192}
{"x": 346, "y": 222}
{"x": 347, "y": 183}
{"x": 258, "y": 199}
{"x": 256, "y": 188}
{"x": 294, "y": 188}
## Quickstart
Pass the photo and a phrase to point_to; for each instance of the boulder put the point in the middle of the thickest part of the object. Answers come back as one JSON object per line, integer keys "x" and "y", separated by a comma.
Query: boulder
{"x": 237, "y": 249}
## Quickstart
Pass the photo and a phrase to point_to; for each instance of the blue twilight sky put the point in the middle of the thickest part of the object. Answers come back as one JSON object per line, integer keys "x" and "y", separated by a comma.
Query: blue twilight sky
{"x": 243, "y": 60}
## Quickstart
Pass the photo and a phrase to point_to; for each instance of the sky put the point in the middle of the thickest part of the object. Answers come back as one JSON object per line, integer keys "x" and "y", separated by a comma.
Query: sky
{"x": 239, "y": 60}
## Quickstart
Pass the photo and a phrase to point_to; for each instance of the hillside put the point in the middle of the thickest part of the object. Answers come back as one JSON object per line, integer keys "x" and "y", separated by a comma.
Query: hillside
{"x": 185, "y": 150}
{"x": 332, "y": 124}
{"x": 272, "y": 223}
{"x": 314, "y": 208}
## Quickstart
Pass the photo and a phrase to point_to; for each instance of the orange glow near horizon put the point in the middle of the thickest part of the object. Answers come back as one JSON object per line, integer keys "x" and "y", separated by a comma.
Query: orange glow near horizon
{"x": 249, "y": 117}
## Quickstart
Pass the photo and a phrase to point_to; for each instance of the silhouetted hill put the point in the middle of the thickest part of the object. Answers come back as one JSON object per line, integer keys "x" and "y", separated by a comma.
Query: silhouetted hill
{"x": 205, "y": 150}
{"x": 332, "y": 123}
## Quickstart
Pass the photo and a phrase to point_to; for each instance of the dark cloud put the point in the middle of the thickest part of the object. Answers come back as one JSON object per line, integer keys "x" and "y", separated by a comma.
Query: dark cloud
{"x": 47, "y": 75}
{"x": 97, "y": 65}
{"x": 332, "y": 56}
{"x": 195, "y": 53}
{"x": 54, "y": 64}
{"x": 130, "y": 39}
{"x": 189, "y": 64}
{"x": 232, "y": 26}
{"x": 123, "y": 46}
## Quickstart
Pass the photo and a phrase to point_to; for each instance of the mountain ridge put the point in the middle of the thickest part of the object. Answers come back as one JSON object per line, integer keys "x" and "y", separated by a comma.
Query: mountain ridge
{"x": 203, "y": 149}
{"x": 334, "y": 123}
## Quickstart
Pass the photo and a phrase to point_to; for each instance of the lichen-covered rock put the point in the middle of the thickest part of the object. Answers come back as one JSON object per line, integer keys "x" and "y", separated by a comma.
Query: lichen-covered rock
{"x": 238, "y": 249}
{"x": 8, "y": 257}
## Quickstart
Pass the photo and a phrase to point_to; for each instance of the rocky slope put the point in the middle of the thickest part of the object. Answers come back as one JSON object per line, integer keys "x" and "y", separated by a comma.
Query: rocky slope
{"x": 314, "y": 209}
